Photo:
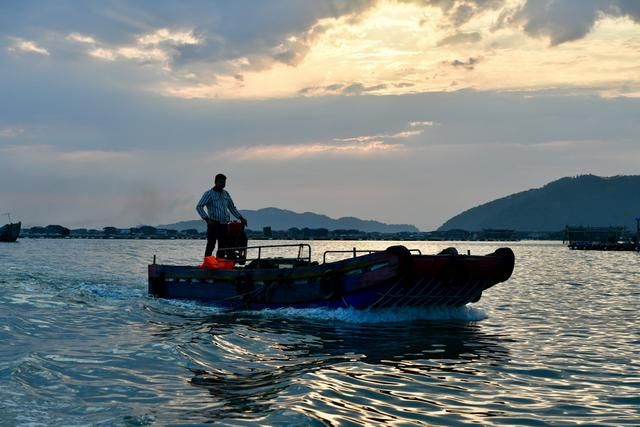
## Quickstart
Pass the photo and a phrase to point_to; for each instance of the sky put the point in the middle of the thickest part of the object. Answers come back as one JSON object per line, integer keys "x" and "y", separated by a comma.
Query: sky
{"x": 121, "y": 112}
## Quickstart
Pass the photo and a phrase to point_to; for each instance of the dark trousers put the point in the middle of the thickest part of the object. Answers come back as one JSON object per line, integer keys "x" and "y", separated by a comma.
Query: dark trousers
{"x": 216, "y": 232}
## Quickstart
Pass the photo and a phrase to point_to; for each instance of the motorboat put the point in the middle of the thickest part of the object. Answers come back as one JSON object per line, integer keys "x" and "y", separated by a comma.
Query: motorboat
{"x": 363, "y": 279}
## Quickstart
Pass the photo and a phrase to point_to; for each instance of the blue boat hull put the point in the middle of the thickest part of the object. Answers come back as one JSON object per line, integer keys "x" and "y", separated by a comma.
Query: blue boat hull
{"x": 379, "y": 280}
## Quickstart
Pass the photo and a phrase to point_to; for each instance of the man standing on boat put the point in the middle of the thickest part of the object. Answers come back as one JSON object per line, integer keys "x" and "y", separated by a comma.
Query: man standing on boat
{"x": 218, "y": 203}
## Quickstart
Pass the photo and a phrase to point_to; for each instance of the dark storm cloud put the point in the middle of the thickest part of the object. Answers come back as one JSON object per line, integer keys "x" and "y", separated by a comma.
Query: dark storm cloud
{"x": 566, "y": 20}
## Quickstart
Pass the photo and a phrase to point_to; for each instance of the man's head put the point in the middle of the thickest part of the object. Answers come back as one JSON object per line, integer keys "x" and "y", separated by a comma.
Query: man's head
{"x": 220, "y": 181}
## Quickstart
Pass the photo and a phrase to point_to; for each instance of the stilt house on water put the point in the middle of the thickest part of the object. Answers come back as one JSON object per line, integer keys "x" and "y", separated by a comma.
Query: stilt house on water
{"x": 603, "y": 238}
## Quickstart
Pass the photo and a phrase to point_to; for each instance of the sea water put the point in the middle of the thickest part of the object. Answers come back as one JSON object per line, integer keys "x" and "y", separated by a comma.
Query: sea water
{"x": 81, "y": 343}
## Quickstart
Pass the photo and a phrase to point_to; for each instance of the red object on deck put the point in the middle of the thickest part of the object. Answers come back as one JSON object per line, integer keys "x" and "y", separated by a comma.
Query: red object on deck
{"x": 213, "y": 263}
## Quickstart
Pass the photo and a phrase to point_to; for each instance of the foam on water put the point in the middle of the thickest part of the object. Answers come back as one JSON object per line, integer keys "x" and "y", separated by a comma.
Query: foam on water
{"x": 110, "y": 291}
{"x": 194, "y": 306}
{"x": 347, "y": 315}
{"x": 389, "y": 315}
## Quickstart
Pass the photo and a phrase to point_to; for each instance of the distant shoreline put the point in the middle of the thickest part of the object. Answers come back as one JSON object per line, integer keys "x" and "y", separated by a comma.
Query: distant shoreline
{"x": 147, "y": 232}
{"x": 346, "y": 238}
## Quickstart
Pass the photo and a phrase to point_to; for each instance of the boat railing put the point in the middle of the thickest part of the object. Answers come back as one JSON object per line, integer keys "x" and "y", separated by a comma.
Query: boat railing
{"x": 356, "y": 251}
{"x": 302, "y": 248}
{"x": 301, "y": 257}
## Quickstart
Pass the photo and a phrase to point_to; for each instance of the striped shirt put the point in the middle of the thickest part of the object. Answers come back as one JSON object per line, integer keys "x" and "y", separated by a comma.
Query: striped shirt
{"x": 218, "y": 205}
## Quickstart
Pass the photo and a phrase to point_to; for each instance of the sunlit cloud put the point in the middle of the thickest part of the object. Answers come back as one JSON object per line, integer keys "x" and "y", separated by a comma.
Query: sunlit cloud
{"x": 405, "y": 134}
{"x": 94, "y": 156}
{"x": 153, "y": 47}
{"x": 383, "y": 136}
{"x": 422, "y": 124}
{"x": 460, "y": 38}
{"x": 288, "y": 152}
{"x": 389, "y": 47}
{"x": 413, "y": 47}
{"x": 153, "y": 54}
{"x": 80, "y": 38}
{"x": 104, "y": 54}
{"x": 164, "y": 35}
{"x": 20, "y": 45}
{"x": 469, "y": 64}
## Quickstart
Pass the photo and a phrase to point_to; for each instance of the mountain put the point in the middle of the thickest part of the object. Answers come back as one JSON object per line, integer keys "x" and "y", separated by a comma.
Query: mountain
{"x": 586, "y": 200}
{"x": 281, "y": 219}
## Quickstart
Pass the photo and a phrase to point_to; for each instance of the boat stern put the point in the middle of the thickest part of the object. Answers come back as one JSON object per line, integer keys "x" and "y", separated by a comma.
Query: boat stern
{"x": 157, "y": 286}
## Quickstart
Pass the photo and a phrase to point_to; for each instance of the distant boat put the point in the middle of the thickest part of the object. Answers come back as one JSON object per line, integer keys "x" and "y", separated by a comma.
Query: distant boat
{"x": 10, "y": 232}
{"x": 395, "y": 277}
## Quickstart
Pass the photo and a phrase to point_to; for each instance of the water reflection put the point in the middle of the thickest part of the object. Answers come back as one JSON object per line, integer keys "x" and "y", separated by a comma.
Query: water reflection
{"x": 249, "y": 364}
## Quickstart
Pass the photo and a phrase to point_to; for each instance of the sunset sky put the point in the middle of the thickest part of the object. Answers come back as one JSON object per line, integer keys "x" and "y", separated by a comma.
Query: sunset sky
{"x": 121, "y": 112}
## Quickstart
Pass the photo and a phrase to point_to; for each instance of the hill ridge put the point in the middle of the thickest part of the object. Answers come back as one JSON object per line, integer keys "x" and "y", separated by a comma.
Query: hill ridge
{"x": 587, "y": 200}
{"x": 284, "y": 219}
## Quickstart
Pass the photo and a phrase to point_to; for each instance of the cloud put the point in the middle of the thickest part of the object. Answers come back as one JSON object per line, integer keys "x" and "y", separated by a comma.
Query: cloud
{"x": 19, "y": 45}
{"x": 311, "y": 48}
{"x": 348, "y": 89}
{"x": 332, "y": 89}
{"x": 292, "y": 151}
{"x": 94, "y": 156}
{"x": 468, "y": 65}
{"x": 360, "y": 89}
{"x": 459, "y": 12}
{"x": 164, "y": 36}
{"x": 380, "y": 137}
{"x": 153, "y": 47}
{"x": 195, "y": 34}
{"x": 422, "y": 123}
{"x": 567, "y": 20}
{"x": 344, "y": 146}
{"x": 460, "y": 38}
{"x": 80, "y": 38}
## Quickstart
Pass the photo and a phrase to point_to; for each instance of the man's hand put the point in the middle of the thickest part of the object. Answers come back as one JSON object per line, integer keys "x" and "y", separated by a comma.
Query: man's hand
{"x": 243, "y": 220}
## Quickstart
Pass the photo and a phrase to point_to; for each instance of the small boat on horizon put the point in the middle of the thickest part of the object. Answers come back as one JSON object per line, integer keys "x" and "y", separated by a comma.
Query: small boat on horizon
{"x": 393, "y": 278}
{"x": 11, "y": 231}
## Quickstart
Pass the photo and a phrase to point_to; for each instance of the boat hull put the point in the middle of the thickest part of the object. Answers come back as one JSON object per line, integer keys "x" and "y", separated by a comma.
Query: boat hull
{"x": 10, "y": 232}
{"x": 380, "y": 280}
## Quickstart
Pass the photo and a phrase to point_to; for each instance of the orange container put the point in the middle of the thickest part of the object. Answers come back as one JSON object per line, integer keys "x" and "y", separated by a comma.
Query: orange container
{"x": 213, "y": 263}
